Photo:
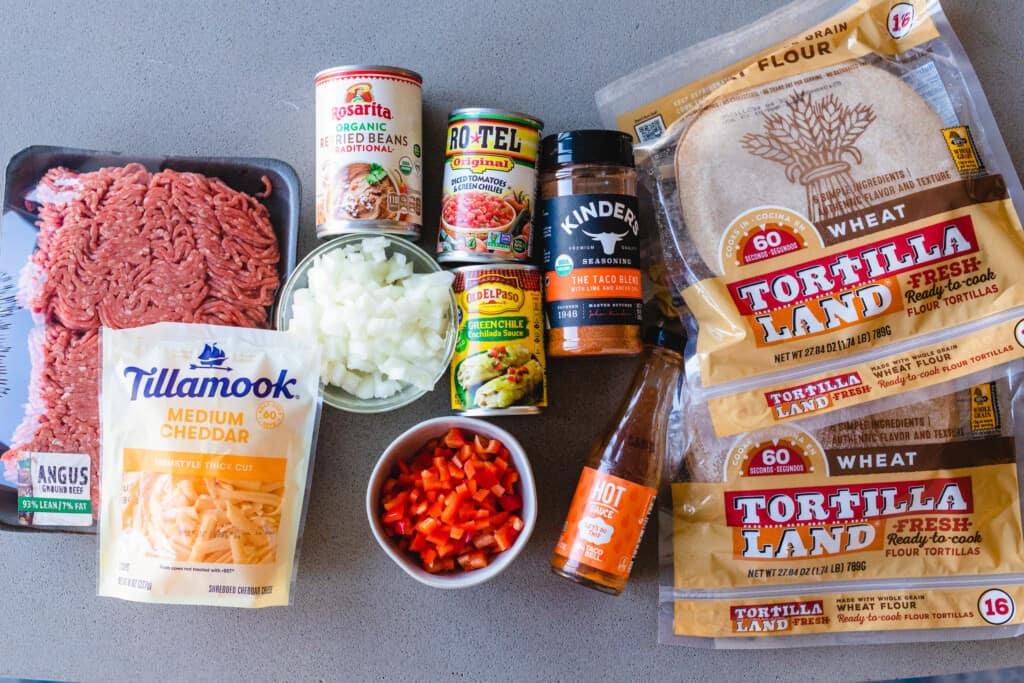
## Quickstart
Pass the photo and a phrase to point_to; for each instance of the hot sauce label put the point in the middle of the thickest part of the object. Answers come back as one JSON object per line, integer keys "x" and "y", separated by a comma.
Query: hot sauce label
{"x": 592, "y": 260}
{"x": 605, "y": 523}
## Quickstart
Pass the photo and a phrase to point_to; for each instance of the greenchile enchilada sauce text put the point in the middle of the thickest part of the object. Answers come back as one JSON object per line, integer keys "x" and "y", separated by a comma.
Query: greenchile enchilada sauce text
{"x": 498, "y": 367}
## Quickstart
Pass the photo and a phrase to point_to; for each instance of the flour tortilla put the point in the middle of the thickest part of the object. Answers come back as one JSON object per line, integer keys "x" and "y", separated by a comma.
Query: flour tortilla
{"x": 718, "y": 179}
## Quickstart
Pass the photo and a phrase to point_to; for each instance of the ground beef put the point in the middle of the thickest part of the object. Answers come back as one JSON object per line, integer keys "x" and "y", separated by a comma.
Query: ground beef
{"x": 121, "y": 247}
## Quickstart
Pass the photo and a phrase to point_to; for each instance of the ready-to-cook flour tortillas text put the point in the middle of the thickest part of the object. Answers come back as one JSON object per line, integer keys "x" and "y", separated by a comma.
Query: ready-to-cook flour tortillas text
{"x": 840, "y": 217}
{"x": 207, "y": 442}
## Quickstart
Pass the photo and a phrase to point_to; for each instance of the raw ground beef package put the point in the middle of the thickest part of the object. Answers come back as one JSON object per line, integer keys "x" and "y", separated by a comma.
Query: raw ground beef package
{"x": 839, "y": 223}
{"x": 117, "y": 247}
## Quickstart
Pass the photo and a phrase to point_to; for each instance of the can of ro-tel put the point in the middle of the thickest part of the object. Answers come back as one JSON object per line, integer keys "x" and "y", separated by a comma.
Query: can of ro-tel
{"x": 369, "y": 147}
{"x": 489, "y": 187}
{"x": 499, "y": 366}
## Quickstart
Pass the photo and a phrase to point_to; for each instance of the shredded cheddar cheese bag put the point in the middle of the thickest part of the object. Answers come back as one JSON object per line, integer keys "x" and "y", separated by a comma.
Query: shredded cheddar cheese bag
{"x": 840, "y": 225}
{"x": 207, "y": 437}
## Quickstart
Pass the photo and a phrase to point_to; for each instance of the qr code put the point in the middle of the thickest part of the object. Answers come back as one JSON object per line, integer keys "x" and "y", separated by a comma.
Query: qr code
{"x": 651, "y": 129}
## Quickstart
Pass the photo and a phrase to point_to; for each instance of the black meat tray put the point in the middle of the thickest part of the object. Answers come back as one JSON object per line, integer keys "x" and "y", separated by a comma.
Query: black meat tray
{"x": 18, "y": 239}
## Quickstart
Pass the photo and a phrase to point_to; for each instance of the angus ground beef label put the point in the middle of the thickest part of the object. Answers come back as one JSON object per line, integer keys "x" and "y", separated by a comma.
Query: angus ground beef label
{"x": 591, "y": 260}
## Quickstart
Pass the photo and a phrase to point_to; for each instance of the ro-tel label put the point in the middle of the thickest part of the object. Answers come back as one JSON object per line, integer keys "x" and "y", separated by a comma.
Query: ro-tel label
{"x": 606, "y": 521}
{"x": 591, "y": 260}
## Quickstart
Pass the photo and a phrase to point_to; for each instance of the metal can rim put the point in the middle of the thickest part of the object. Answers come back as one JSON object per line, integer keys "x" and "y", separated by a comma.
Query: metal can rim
{"x": 492, "y": 111}
{"x": 493, "y": 266}
{"x": 510, "y": 411}
{"x": 398, "y": 70}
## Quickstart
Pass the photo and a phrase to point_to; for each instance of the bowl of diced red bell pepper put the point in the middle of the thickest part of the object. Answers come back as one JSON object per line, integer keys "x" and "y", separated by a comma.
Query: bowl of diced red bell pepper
{"x": 452, "y": 501}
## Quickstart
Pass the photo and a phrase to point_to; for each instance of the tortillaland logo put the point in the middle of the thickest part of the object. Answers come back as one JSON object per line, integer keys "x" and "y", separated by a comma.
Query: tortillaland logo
{"x": 779, "y": 616}
{"x": 787, "y": 523}
{"x": 814, "y": 396}
{"x": 849, "y": 287}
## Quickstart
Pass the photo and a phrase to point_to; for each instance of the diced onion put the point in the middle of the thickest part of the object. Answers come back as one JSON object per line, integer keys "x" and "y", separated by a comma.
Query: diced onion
{"x": 380, "y": 326}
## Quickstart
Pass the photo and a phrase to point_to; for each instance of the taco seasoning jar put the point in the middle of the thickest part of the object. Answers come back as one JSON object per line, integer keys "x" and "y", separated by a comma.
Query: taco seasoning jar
{"x": 589, "y": 222}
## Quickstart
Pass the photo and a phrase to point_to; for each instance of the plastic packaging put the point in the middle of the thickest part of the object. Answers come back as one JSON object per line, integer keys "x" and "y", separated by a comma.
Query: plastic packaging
{"x": 30, "y": 198}
{"x": 208, "y": 437}
{"x": 839, "y": 213}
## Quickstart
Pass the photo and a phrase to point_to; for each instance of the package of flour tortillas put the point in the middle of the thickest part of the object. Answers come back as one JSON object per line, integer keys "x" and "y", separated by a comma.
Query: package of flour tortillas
{"x": 839, "y": 216}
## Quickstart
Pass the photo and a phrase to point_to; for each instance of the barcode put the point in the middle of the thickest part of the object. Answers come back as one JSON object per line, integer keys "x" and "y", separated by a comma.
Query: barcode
{"x": 651, "y": 129}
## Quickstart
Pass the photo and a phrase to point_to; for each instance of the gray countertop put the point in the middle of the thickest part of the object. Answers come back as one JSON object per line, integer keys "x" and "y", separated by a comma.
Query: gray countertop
{"x": 234, "y": 78}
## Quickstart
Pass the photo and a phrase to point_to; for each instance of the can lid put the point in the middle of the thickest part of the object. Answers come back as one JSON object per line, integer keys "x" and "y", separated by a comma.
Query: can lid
{"x": 659, "y": 336}
{"x": 500, "y": 114}
{"x": 371, "y": 68}
{"x": 587, "y": 146}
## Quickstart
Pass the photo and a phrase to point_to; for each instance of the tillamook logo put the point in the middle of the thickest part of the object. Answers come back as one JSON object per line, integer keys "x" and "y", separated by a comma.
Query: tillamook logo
{"x": 172, "y": 383}
{"x": 849, "y": 287}
{"x": 780, "y": 616}
{"x": 831, "y": 520}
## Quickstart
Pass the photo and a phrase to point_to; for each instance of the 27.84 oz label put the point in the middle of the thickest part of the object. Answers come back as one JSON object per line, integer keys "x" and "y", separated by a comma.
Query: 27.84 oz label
{"x": 591, "y": 260}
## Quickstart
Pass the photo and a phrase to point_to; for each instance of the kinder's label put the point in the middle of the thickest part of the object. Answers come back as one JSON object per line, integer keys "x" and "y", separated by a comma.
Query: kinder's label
{"x": 605, "y": 523}
{"x": 369, "y": 151}
{"x": 592, "y": 260}
{"x": 489, "y": 186}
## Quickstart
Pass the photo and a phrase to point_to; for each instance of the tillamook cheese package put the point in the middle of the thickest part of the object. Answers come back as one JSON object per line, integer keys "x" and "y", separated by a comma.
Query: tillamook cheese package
{"x": 207, "y": 437}
{"x": 839, "y": 217}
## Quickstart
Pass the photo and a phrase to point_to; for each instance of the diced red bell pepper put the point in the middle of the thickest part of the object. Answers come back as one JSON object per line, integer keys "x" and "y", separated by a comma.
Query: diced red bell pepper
{"x": 452, "y": 502}
{"x": 454, "y": 439}
{"x": 510, "y": 503}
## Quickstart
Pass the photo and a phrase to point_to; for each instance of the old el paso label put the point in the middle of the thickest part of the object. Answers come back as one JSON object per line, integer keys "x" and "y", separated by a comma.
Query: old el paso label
{"x": 591, "y": 260}
{"x": 789, "y": 523}
{"x": 855, "y": 285}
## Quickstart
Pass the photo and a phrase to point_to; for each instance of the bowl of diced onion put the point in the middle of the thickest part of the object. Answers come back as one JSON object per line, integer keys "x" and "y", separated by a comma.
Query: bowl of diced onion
{"x": 383, "y": 313}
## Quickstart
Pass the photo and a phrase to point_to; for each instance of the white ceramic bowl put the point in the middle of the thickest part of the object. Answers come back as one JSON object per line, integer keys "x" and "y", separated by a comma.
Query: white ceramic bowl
{"x": 404, "y": 448}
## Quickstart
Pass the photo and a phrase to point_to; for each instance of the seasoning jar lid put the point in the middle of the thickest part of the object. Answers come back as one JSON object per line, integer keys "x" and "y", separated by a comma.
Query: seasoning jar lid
{"x": 659, "y": 336}
{"x": 587, "y": 146}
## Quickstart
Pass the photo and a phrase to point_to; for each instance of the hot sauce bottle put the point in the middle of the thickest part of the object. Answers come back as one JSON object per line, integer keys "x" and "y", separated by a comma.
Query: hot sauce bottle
{"x": 616, "y": 491}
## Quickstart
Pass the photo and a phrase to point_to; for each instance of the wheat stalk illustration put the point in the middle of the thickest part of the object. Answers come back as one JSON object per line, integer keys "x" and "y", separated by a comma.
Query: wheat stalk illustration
{"x": 813, "y": 142}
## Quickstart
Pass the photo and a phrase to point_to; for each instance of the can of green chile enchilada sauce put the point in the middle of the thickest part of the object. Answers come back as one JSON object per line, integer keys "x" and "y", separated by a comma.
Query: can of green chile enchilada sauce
{"x": 489, "y": 187}
{"x": 499, "y": 367}
{"x": 369, "y": 147}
